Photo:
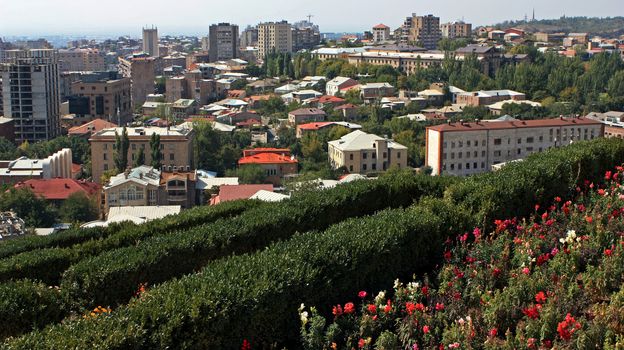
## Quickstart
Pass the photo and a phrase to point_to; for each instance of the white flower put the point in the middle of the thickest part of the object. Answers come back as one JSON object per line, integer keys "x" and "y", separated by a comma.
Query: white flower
{"x": 461, "y": 321}
{"x": 301, "y": 307}
{"x": 380, "y": 298}
{"x": 304, "y": 317}
{"x": 397, "y": 284}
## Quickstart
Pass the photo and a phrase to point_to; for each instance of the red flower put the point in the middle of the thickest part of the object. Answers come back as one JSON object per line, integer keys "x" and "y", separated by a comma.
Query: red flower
{"x": 608, "y": 252}
{"x": 532, "y": 312}
{"x": 425, "y": 329}
{"x": 540, "y": 297}
{"x": 447, "y": 255}
{"x": 246, "y": 345}
{"x": 388, "y": 306}
{"x": 337, "y": 310}
{"x": 493, "y": 332}
{"x": 349, "y": 308}
{"x": 425, "y": 290}
{"x": 372, "y": 308}
{"x": 526, "y": 271}
{"x": 496, "y": 272}
{"x": 420, "y": 307}
{"x": 537, "y": 206}
{"x": 439, "y": 306}
{"x": 410, "y": 307}
{"x": 557, "y": 199}
{"x": 589, "y": 219}
{"x": 567, "y": 327}
{"x": 608, "y": 175}
{"x": 361, "y": 343}
{"x": 362, "y": 294}
{"x": 477, "y": 233}
{"x": 544, "y": 216}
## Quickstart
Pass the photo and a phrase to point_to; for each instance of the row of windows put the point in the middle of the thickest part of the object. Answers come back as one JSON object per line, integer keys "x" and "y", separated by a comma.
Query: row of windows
{"x": 467, "y": 166}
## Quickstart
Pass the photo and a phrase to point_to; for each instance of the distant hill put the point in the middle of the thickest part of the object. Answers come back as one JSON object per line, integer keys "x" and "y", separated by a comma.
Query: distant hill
{"x": 608, "y": 26}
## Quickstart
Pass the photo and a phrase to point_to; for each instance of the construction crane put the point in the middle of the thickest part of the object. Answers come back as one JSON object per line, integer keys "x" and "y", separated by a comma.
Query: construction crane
{"x": 310, "y": 18}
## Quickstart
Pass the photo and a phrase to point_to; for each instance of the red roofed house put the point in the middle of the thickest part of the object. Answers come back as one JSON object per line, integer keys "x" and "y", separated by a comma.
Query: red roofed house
{"x": 327, "y": 100}
{"x": 349, "y": 111}
{"x": 58, "y": 190}
{"x": 381, "y": 33}
{"x": 239, "y": 94}
{"x": 276, "y": 162}
{"x": 90, "y": 128}
{"x": 312, "y": 127}
{"x": 234, "y": 192}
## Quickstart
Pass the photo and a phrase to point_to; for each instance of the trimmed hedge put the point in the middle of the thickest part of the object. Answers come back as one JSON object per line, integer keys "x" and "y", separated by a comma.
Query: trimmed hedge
{"x": 256, "y": 296}
{"x": 112, "y": 277}
{"x": 63, "y": 239}
{"x": 49, "y": 264}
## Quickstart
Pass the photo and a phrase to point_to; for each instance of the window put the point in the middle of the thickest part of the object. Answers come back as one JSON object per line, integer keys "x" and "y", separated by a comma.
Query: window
{"x": 131, "y": 193}
{"x": 151, "y": 195}
{"x": 363, "y": 166}
{"x": 519, "y": 150}
{"x": 529, "y": 149}
{"x": 459, "y": 166}
{"x": 385, "y": 155}
{"x": 374, "y": 155}
{"x": 452, "y": 155}
{"x": 482, "y": 165}
{"x": 468, "y": 143}
{"x": 497, "y": 153}
{"x": 497, "y": 142}
{"x": 351, "y": 168}
{"x": 364, "y": 155}
{"x": 171, "y": 156}
{"x": 467, "y": 154}
{"x": 105, "y": 167}
{"x": 459, "y": 155}
{"x": 541, "y": 138}
{"x": 351, "y": 156}
{"x": 452, "y": 166}
{"x": 374, "y": 166}
{"x": 105, "y": 156}
{"x": 444, "y": 156}
{"x": 482, "y": 153}
{"x": 474, "y": 165}
{"x": 452, "y": 144}
{"x": 475, "y": 154}
{"x": 399, "y": 155}
{"x": 444, "y": 144}
{"x": 530, "y": 139}
{"x": 467, "y": 166}
{"x": 519, "y": 141}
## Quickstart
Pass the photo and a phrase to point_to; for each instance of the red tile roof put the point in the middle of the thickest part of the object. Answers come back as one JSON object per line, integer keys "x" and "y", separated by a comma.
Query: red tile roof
{"x": 381, "y": 26}
{"x": 59, "y": 189}
{"x": 234, "y": 192}
{"x": 267, "y": 158}
{"x": 347, "y": 106}
{"x": 545, "y": 123}
{"x": 314, "y": 126}
{"x": 91, "y": 127}
{"x": 308, "y": 111}
{"x": 330, "y": 99}
{"x": 249, "y": 122}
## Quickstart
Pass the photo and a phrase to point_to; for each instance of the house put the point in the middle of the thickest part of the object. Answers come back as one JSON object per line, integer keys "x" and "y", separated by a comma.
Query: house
{"x": 275, "y": 162}
{"x": 263, "y": 85}
{"x": 313, "y": 127}
{"x": 484, "y": 98}
{"x": 334, "y": 86}
{"x": 286, "y": 89}
{"x": 349, "y": 111}
{"x": 255, "y": 101}
{"x": 328, "y": 100}
{"x": 362, "y": 153}
{"x": 373, "y": 91}
{"x": 302, "y": 95}
{"x": 58, "y": 190}
{"x": 236, "y": 192}
{"x": 304, "y": 115}
{"x": 434, "y": 97}
{"x": 90, "y": 128}
{"x": 152, "y": 108}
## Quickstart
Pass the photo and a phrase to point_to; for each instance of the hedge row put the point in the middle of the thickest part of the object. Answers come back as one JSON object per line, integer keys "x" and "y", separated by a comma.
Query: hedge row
{"x": 255, "y": 297}
{"x": 112, "y": 277}
{"x": 47, "y": 265}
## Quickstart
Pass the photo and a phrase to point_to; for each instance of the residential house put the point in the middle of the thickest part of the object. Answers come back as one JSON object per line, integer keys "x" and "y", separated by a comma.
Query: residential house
{"x": 349, "y": 111}
{"x": 328, "y": 100}
{"x": 484, "y": 98}
{"x": 183, "y": 108}
{"x": 57, "y": 190}
{"x": 304, "y": 115}
{"x": 373, "y": 91}
{"x": 359, "y": 152}
{"x": 90, "y": 128}
{"x": 314, "y": 127}
{"x": 237, "y": 192}
{"x": 276, "y": 162}
{"x": 334, "y": 86}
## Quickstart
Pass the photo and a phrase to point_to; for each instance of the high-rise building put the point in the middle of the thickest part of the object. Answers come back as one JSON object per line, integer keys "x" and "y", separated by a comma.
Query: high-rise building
{"x": 381, "y": 33}
{"x": 141, "y": 72}
{"x": 274, "y": 36}
{"x": 31, "y": 93}
{"x": 223, "y": 42}
{"x": 249, "y": 37}
{"x": 105, "y": 96}
{"x": 453, "y": 30}
{"x": 424, "y": 30}
{"x": 80, "y": 60}
{"x": 150, "y": 41}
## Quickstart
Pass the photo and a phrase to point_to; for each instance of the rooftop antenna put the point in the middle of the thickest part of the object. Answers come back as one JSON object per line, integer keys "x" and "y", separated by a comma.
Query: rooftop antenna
{"x": 533, "y": 20}
{"x": 310, "y": 18}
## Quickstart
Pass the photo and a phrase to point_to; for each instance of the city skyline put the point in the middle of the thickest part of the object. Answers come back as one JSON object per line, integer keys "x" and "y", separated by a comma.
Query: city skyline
{"x": 64, "y": 17}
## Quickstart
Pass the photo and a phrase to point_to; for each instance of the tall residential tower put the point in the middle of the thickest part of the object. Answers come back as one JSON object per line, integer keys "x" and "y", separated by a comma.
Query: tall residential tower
{"x": 150, "y": 41}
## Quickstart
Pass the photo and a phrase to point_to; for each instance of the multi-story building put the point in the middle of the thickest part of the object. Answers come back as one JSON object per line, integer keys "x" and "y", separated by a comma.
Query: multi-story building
{"x": 30, "y": 84}
{"x": 176, "y": 147}
{"x": 305, "y": 38}
{"x": 7, "y": 129}
{"x": 359, "y": 152}
{"x": 81, "y": 60}
{"x": 150, "y": 42}
{"x": 58, "y": 165}
{"x": 95, "y": 96}
{"x": 223, "y": 42}
{"x": 1, "y": 98}
{"x": 381, "y": 33}
{"x": 274, "y": 36}
{"x": 140, "y": 70}
{"x": 422, "y": 29}
{"x": 453, "y": 30}
{"x": 249, "y": 37}
{"x": 485, "y": 98}
{"x": 470, "y": 148}
{"x": 334, "y": 86}
{"x": 276, "y": 162}
{"x": 306, "y": 115}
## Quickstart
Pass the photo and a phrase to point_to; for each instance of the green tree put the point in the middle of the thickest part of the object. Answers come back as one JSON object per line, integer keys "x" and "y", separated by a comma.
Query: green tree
{"x": 615, "y": 88}
{"x": 35, "y": 211}
{"x": 249, "y": 174}
{"x": 140, "y": 158}
{"x": 155, "y": 150}
{"x": 312, "y": 149}
{"x": 79, "y": 208}
{"x": 122, "y": 143}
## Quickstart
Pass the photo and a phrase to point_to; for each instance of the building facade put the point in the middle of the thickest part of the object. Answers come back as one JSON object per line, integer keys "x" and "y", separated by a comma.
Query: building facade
{"x": 454, "y": 30}
{"x": 176, "y": 148}
{"x": 223, "y": 42}
{"x": 422, "y": 29}
{"x": 150, "y": 42}
{"x": 140, "y": 70}
{"x": 249, "y": 37}
{"x": 276, "y": 162}
{"x": 108, "y": 99}
{"x": 81, "y": 60}
{"x": 381, "y": 33}
{"x": 362, "y": 153}
{"x": 274, "y": 36}
{"x": 471, "y": 148}
{"x": 31, "y": 93}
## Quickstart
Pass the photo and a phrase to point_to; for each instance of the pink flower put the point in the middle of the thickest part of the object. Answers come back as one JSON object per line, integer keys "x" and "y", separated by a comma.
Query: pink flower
{"x": 454, "y": 346}
{"x": 439, "y": 306}
{"x": 337, "y": 310}
{"x": 425, "y": 329}
{"x": 493, "y": 332}
{"x": 361, "y": 343}
{"x": 477, "y": 233}
{"x": 349, "y": 308}
{"x": 372, "y": 308}
{"x": 362, "y": 294}
{"x": 526, "y": 271}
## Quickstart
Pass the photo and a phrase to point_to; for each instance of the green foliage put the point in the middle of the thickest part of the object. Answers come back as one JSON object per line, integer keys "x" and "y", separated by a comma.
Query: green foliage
{"x": 249, "y": 174}
{"x": 79, "y": 208}
{"x": 218, "y": 151}
{"x": 156, "y": 153}
{"x": 140, "y": 157}
{"x": 122, "y": 143}
{"x": 35, "y": 211}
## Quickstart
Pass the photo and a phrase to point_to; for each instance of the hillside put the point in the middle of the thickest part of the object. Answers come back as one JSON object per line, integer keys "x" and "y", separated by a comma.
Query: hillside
{"x": 608, "y": 27}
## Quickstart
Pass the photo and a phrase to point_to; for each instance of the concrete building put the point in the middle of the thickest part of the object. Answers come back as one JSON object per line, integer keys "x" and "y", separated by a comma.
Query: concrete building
{"x": 150, "y": 42}
{"x": 422, "y": 29}
{"x": 328, "y": 53}
{"x": 223, "y": 42}
{"x": 249, "y": 37}
{"x": 276, "y": 162}
{"x": 176, "y": 144}
{"x": 305, "y": 38}
{"x": 7, "y": 129}
{"x": 381, "y": 33}
{"x": 471, "y": 148}
{"x": 485, "y": 98}
{"x": 374, "y": 91}
{"x": 454, "y": 30}
{"x": 333, "y": 87}
{"x": 140, "y": 70}
{"x": 81, "y": 60}
{"x": 306, "y": 115}
{"x": 274, "y": 36}
{"x": 58, "y": 165}
{"x": 100, "y": 97}
{"x": 363, "y": 153}
{"x": 30, "y": 84}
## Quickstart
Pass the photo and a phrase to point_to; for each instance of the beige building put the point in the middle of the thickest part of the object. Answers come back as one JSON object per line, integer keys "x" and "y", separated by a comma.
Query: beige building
{"x": 486, "y": 98}
{"x": 81, "y": 60}
{"x": 141, "y": 72}
{"x": 176, "y": 147}
{"x": 422, "y": 29}
{"x": 471, "y": 148}
{"x": 105, "y": 99}
{"x": 381, "y": 33}
{"x": 150, "y": 41}
{"x": 453, "y": 30}
{"x": 274, "y": 35}
{"x": 363, "y": 153}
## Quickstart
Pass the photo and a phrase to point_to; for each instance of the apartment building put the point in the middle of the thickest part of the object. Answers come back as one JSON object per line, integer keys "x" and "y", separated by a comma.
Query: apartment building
{"x": 454, "y": 30}
{"x": 81, "y": 60}
{"x": 274, "y": 36}
{"x": 150, "y": 42}
{"x": 176, "y": 146}
{"x": 223, "y": 42}
{"x": 359, "y": 152}
{"x": 305, "y": 38}
{"x": 249, "y": 37}
{"x": 422, "y": 29}
{"x": 31, "y": 93}
{"x": 381, "y": 33}
{"x": 463, "y": 149}
{"x": 104, "y": 96}
{"x": 140, "y": 70}
{"x": 485, "y": 98}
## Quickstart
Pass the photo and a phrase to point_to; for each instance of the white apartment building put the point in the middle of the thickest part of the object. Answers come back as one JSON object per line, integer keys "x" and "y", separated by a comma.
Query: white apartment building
{"x": 362, "y": 153}
{"x": 471, "y": 148}
{"x": 274, "y": 35}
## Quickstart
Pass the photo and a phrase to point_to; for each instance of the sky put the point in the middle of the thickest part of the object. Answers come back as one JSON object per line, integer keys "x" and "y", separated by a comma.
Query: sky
{"x": 126, "y": 17}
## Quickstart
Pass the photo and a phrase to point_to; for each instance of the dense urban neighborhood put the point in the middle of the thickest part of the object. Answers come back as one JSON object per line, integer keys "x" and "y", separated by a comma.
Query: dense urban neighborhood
{"x": 428, "y": 185}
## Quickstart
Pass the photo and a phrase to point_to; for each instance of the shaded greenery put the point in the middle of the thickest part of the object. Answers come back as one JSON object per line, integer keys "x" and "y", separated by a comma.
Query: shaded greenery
{"x": 218, "y": 151}
{"x": 79, "y": 208}
{"x": 35, "y": 211}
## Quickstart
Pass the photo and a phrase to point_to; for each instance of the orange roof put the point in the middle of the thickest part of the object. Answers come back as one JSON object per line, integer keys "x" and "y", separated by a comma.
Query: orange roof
{"x": 381, "y": 26}
{"x": 234, "y": 192}
{"x": 330, "y": 99}
{"x": 59, "y": 189}
{"x": 260, "y": 97}
{"x": 76, "y": 168}
{"x": 346, "y": 106}
{"x": 267, "y": 158}
{"x": 540, "y": 123}
{"x": 314, "y": 126}
{"x": 91, "y": 127}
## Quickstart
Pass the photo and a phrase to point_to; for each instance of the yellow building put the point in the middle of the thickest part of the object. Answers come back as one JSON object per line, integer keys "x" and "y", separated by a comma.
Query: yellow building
{"x": 363, "y": 153}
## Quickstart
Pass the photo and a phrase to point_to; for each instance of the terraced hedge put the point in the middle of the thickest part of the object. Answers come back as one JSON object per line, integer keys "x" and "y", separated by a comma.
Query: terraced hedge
{"x": 112, "y": 277}
{"x": 48, "y": 265}
{"x": 63, "y": 239}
